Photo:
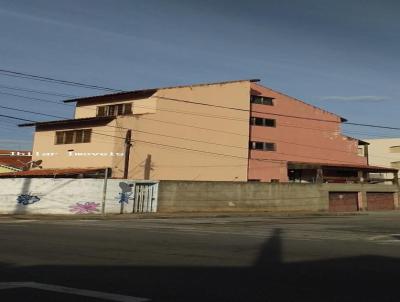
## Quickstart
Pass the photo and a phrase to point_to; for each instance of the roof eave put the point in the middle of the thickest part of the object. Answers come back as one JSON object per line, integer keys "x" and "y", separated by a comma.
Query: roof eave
{"x": 93, "y": 98}
{"x": 69, "y": 121}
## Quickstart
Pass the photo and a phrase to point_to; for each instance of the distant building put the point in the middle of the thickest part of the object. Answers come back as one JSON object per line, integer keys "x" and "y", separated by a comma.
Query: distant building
{"x": 384, "y": 152}
{"x": 14, "y": 160}
{"x": 226, "y": 131}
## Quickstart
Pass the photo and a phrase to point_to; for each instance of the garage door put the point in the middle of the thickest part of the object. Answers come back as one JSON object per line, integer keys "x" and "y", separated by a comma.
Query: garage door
{"x": 380, "y": 201}
{"x": 343, "y": 201}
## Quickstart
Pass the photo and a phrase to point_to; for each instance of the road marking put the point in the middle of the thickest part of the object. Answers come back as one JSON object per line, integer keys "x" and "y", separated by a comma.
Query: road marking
{"x": 74, "y": 291}
{"x": 5, "y": 221}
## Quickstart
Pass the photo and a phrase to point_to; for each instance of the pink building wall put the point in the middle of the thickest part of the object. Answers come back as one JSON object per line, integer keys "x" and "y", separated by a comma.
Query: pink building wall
{"x": 316, "y": 138}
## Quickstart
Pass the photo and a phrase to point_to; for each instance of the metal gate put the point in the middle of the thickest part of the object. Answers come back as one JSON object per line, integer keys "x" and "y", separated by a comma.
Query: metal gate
{"x": 343, "y": 201}
{"x": 380, "y": 201}
{"x": 145, "y": 197}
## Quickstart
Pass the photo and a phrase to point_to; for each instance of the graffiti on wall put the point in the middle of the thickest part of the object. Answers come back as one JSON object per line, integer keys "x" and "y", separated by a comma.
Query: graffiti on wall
{"x": 126, "y": 194}
{"x": 124, "y": 197}
{"x": 85, "y": 208}
{"x": 26, "y": 199}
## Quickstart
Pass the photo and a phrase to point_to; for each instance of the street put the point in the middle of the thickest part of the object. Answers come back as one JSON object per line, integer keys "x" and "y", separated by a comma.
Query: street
{"x": 316, "y": 258}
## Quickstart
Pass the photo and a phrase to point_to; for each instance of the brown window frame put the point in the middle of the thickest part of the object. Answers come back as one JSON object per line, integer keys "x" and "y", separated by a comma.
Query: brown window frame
{"x": 261, "y": 100}
{"x": 262, "y": 122}
{"x": 262, "y": 146}
{"x": 84, "y": 135}
{"x": 115, "y": 109}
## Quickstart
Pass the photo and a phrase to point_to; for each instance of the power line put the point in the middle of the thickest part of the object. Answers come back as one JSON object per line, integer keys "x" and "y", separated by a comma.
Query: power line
{"x": 373, "y": 126}
{"x": 225, "y": 117}
{"x": 33, "y": 112}
{"x": 205, "y": 104}
{"x": 214, "y": 153}
{"x": 182, "y": 112}
{"x": 12, "y": 73}
{"x": 207, "y": 142}
{"x": 16, "y": 118}
{"x": 34, "y": 99}
{"x": 37, "y": 91}
{"x": 188, "y": 139}
{"x": 37, "y": 77}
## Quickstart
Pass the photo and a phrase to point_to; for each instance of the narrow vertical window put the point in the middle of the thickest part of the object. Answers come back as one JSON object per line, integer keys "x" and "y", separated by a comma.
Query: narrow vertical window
{"x": 87, "y": 134}
{"x": 128, "y": 108}
{"x": 101, "y": 111}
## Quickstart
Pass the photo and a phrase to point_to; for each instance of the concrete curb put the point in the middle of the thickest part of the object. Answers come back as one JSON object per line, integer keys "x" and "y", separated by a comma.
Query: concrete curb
{"x": 182, "y": 215}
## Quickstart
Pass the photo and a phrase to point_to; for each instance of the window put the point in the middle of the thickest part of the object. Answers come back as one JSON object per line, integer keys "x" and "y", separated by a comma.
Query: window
{"x": 263, "y": 100}
{"x": 73, "y": 136}
{"x": 265, "y": 122}
{"x": 264, "y": 146}
{"x": 113, "y": 110}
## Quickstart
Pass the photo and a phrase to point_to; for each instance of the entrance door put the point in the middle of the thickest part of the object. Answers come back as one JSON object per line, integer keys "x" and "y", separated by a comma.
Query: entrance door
{"x": 145, "y": 197}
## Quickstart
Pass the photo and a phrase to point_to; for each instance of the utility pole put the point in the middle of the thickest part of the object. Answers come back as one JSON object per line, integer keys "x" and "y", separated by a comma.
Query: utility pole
{"x": 127, "y": 152}
{"x": 128, "y": 145}
{"x": 103, "y": 202}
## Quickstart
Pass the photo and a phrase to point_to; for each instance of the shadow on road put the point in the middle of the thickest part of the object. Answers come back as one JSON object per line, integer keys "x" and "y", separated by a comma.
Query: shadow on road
{"x": 364, "y": 278}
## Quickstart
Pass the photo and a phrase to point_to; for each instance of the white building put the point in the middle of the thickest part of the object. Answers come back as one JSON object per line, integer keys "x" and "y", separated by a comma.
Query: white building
{"x": 384, "y": 152}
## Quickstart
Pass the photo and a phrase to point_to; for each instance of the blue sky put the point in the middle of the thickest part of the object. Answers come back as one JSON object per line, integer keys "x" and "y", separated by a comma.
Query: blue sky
{"x": 339, "y": 55}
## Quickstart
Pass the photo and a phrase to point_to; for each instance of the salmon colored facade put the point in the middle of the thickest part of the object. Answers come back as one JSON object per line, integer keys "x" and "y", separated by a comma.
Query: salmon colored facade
{"x": 303, "y": 133}
{"x": 198, "y": 132}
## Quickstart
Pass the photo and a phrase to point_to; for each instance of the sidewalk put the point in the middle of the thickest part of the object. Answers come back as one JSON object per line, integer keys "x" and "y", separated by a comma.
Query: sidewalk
{"x": 178, "y": 215}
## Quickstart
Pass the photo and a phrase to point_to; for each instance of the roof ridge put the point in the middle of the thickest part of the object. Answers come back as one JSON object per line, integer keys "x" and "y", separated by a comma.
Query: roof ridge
{"x": 160, "y": 88}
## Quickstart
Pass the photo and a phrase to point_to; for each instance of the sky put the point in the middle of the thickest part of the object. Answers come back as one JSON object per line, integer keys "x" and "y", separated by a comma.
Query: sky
{"x": 339, "y": 55}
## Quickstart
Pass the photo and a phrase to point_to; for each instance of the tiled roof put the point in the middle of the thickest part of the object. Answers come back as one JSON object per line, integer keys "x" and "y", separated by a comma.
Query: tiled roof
{"x": 6, "y": 159}
{"x": 53, "y": 172}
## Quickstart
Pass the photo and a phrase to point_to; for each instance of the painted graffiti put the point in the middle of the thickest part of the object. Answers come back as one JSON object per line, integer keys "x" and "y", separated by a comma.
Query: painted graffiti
{"x": 124, "y": 197}
{"x": 126, "y": 193}
{"x": 85, "y": 208}
{"x": 26, "y": 199}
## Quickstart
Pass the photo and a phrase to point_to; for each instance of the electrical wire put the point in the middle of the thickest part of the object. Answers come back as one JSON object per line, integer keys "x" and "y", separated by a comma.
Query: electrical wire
{"x": 38, "y": 91}
{"x": 199, "y": 141}
{"x": 12, "y": 73}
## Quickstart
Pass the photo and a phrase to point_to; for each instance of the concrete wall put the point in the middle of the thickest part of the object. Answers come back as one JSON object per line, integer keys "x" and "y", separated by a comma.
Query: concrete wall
{"x": 59, "y": 196}
{"x": 84, "y": 196}
{"x": 188, "y": 196}
{"x": 316, "y": 138}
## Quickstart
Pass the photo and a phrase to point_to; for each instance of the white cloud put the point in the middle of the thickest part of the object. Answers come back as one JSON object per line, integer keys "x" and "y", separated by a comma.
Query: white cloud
{"x": 356, "y": 98}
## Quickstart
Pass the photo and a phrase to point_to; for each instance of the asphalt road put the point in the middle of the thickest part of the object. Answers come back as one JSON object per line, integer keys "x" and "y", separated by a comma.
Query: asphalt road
{"x": 343, "y": 258}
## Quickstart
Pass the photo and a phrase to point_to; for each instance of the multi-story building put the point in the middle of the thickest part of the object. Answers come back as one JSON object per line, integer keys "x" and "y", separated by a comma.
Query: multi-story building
{"x": 384, "y": 152}
{"x": 227, "y": 131}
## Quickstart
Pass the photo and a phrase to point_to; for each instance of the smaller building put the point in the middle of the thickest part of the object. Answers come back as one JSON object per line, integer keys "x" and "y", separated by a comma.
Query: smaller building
{"x": 384, "y": 152}
{"x": 14, "y": 160}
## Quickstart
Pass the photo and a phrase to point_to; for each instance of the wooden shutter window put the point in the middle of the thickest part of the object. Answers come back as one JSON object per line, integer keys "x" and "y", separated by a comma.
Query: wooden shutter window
{"x": 128, "y": 108}
{"x": 87, "y": 134}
